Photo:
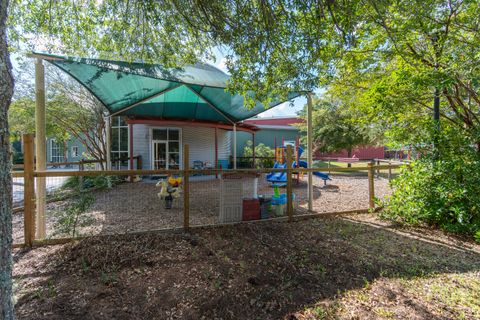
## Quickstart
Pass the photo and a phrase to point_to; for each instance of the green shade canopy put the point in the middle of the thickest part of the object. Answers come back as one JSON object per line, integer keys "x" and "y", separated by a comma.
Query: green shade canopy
{"x": 151, "y": 91}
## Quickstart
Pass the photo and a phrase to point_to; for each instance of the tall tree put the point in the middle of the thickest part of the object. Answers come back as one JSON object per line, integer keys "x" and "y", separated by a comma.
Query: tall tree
{"x": 6, "y": 93}
{"x": 335, "y": 128}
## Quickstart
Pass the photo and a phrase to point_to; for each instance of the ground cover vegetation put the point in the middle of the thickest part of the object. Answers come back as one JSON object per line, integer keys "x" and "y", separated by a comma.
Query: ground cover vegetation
{"x": 355, "y": 267}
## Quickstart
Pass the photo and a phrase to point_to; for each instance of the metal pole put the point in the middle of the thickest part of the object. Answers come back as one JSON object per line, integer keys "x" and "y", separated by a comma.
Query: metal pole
{"x": 234, "y": 146}
{"x": 108, "y": 154}
{"x": 216, "y": 151}
{"x": 130, "y": 136}
{"x": 309, "y": 151}
{"x": 253, "y": 150}
{"x": 40, "y": 147}
{"x": 186, "y": 188}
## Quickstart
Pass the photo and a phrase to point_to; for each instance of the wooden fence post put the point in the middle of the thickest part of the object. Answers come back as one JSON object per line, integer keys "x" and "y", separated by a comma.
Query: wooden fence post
{"x": 139, "y": 162}
{"x": 186, "y": 187}
{"x": 29, "y": 190}
{"x": 371, "y": 186}
{"x": 289, "y": 184}
{"x": 378, "y": 170}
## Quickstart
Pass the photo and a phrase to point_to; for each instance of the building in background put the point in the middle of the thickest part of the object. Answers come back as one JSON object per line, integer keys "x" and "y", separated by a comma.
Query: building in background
{"x": 70, "y": 151}
{"x": 271, "y": 131}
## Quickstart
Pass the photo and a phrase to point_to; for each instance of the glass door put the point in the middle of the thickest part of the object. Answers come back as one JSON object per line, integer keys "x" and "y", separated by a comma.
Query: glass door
{"x": 159, "y": 155}
{"x": 166, "y": 153}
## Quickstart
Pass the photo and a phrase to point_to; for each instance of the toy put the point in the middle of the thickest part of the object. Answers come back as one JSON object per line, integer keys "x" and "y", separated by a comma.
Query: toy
{"x": 279, "y": 201}
{"x": 169, "y": 190}
{"x": 280, "y": 178}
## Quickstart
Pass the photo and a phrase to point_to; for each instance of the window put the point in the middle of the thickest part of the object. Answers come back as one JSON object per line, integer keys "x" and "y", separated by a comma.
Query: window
{"x": 119, "y": 138}
{"x": 170, "y": 137}
{"x": 57, "y": 151}
{"x": 75, "y": 152}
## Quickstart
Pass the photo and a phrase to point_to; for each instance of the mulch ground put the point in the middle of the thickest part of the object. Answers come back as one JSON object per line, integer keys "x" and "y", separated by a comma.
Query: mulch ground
{"x": 352, "y": 267}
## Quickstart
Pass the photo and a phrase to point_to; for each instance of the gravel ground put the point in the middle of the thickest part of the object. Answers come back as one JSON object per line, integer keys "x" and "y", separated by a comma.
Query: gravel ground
{"x": 136, "y": 207}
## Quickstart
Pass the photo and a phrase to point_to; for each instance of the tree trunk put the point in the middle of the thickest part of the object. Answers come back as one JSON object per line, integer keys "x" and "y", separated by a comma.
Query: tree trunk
{"x": 6, "y": 92}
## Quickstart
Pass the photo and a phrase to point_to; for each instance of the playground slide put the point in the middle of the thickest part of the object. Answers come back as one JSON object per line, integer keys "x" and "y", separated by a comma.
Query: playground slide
{"x": 281, "y": 177}
{"x": 277, "y": 176}
{"x": 321, "y": 175}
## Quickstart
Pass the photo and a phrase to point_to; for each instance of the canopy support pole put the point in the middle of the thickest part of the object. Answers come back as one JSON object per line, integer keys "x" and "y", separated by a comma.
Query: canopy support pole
{"x": 253, "y": 149}
{"x": 216, "y": 152}
{"x": 130, "y": 136}
{"x": 108, "y": 134}
{"x": 234, "y": 146}
{"x": 309, "y": 151}
{"x": 40, "y": 147}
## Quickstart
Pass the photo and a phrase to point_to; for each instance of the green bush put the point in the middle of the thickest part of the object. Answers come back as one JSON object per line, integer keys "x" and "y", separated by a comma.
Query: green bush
{"x": 70, "y": 218}
{"x": 444, "y": 193}
{"x": 264, "y": 154}
{"x": 84, "y": 183}
{"x": 17, "y": 157}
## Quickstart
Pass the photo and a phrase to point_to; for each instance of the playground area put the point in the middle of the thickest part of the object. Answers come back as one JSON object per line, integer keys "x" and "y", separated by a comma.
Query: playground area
{"x": 133, "y": 207}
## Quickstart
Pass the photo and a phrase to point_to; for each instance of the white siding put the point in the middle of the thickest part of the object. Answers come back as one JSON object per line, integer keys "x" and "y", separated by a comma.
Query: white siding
{"x": 200, "y": 139}
{"x": 224, "y": 145}
{"x": 202, "y": 143}
{"x": 141, "y": 144}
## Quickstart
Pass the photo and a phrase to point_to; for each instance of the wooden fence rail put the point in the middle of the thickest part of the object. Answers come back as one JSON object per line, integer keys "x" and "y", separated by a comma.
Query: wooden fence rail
{"x": 29, "y": 175}
{"x": 81, "y": 164}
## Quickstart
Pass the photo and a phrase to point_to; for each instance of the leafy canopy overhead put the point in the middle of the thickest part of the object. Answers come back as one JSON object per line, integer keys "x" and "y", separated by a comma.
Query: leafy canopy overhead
{"x": 370, "y": 47}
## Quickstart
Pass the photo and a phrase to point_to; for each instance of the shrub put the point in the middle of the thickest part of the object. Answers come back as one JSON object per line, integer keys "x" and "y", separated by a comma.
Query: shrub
{"x": 444, "y": 193}
{"x": 72, "y": 216}
{"x": 264, "y": 154}
{"x": 98, "y": 182}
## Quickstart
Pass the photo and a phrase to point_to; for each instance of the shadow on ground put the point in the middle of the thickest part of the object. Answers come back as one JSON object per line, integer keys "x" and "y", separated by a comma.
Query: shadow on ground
{"x": 253, "y": 271}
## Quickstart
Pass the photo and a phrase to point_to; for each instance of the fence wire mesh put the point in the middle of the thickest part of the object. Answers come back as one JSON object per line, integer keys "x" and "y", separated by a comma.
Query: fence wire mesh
{"x": 95, "y": 204}
{"x": 85, "y": 205}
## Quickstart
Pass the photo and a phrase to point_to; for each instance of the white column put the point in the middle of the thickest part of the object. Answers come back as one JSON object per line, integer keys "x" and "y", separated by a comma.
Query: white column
{"x": 309, "y": 151}
{"x": 108, "y": 133}
{"x": 40, "y": 148}
{"x": 235, "y": 146}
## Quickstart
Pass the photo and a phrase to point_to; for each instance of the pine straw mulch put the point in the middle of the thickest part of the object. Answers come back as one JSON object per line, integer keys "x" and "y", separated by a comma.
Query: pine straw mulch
{"x": 312, "y": 269}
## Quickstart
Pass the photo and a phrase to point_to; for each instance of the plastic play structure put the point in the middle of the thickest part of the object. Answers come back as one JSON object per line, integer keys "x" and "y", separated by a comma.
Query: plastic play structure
{"x": 281, "y": 177}
{"x": 279, "y": 201}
